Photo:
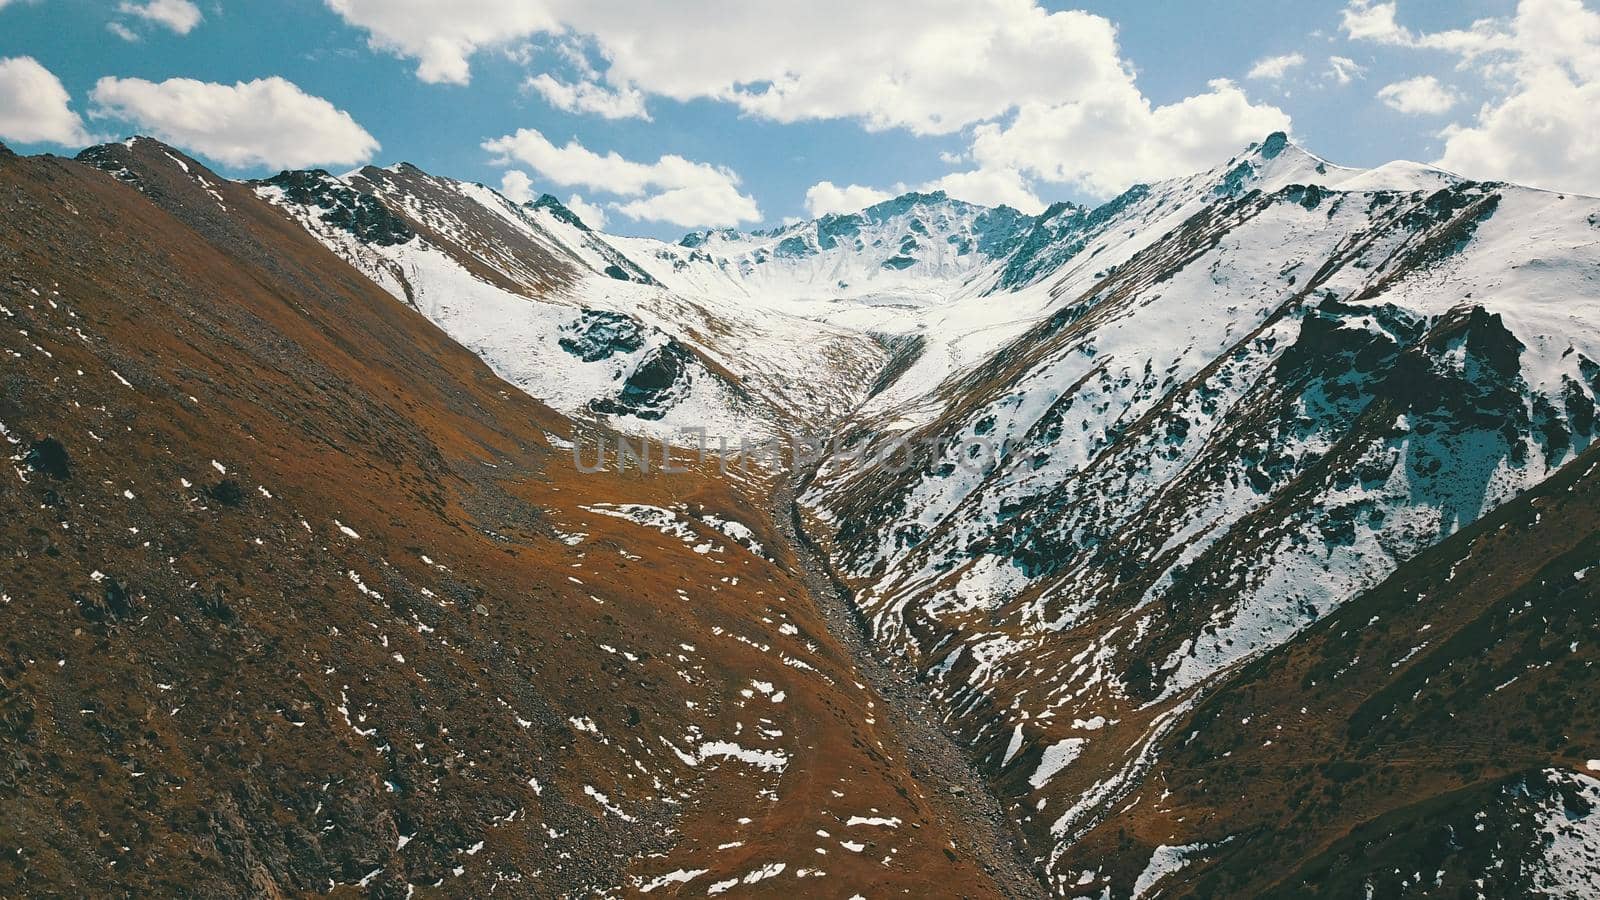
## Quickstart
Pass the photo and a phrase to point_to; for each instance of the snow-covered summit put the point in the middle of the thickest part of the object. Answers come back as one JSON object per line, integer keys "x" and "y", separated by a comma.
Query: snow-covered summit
{"x": 910, "y": 250}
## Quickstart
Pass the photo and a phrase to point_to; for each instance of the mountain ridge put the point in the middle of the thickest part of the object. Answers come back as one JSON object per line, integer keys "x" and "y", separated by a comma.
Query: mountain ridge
{"x": 1132, "y": 502}
{"x": 301, "y": 598}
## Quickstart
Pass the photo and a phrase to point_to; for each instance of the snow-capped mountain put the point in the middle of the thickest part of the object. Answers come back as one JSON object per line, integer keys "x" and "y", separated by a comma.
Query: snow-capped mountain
{"x": 912, "y": 250}
{"x": 559, "y": 311}
{"x": 1257, "y": 393}
{"x": 1238, "y": 529}
{"x": 1171, "y": 432}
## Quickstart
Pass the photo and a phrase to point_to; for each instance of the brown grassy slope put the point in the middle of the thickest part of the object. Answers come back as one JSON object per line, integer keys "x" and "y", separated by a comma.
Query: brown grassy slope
{"x": 209, "y": 688}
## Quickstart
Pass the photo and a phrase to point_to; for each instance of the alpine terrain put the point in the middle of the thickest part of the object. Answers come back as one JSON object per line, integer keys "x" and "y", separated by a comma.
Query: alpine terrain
{"x": 375, "y": 535}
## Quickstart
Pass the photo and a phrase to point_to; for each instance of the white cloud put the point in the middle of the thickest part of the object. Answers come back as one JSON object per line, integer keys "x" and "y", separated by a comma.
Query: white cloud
{"x": 1363, "y": 20}
{"x": 1275, "y": 67}
{"x": 268, "y": 122}
{"x": 1343, "y": 69}
{"x": 990, "y": 187}
{"x": 1418, "y": 96}
{"x": 1104, "y": 145}
{"x": 122, "y": 31}
{"x": 516, "y": 186}
{"x": 987, "y": 187}
{"x": 671, "y": 189}
{"x": 179, "y": 15}
{"x": 691, "y": 207}
{"x": 592, "y": 215}
{"x": 1101, "y": 148}
{"x": 826, "y": 197}
{"x": 590, "y": 97}
{"x": 442, "y": 34}
{"x": 1542, "y": 126}
{"x": 932, "y": 66}
{"x": 1545, "y": 129}
{"x": 927, "y": 66}
{"x": 34, "y": 105}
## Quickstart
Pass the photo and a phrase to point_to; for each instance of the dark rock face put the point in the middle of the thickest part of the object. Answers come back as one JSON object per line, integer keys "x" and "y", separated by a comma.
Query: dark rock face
{"x": 361, "y": 215}
{"x": 832, "y": 229}
{"x": 560, "y": 211}
{"x": 49, "y": 457}
{"x": 614, "y": 264}
{"x": 999, "y": 230}
{"x": 650, "y": 391}
{"x": 1060, "y": 233}
{"x": 226, "y": 492}
{"x": 113, "y": 604}
{"x": 601, "y": 335}
{"x": 1274, "y": 145}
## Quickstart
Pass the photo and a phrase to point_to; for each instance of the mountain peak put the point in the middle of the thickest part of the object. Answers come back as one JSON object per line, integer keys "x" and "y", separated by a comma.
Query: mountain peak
{"x": 140, "y": 159}
{"x": 911, "y": 200}
{"x": 560, "y": 210}
{"x": 1273, "y": 145}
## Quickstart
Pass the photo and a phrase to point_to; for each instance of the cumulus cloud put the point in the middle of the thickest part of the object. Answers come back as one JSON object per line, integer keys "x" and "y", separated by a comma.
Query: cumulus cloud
{"x": 1547, "y": 134}
{"x": 1363, "y": 20}
{"x": 516, "y": 186}
{"x": 1105, "y": 144}
{"x": 1099, "y": 147}
{"x": 181, "y": 16}
{"x": 267, "y": 122}
{"x": 826, "y": 197}
{"x": 1418, "y": 96}
{"x": 34, "y": 105}
{"x": 592, "y": 215}
{"x": 590, "y": 97}
{"x": 990, "y": 187}
{"x": 443, "y": 34}
{"x": 1274, "y": 67}
{"x": 927, "y": 66}
{"x": 933, "y": 66}
{"x": 1342, "y": 70}
{"x": 1542, "y": 127}
{"x": 671, "y": 189}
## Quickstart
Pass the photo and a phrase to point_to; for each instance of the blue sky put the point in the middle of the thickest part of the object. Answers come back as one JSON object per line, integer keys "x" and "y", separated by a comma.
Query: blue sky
{"x": 1120, "y": 92}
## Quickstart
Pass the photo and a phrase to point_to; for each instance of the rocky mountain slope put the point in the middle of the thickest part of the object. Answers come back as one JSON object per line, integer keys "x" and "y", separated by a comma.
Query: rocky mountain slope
{"x": 1289, "y": 383}
{"x": 558, "y": 311}
{"x": 1237, "y": 531}
{"x": 300, "y": 598}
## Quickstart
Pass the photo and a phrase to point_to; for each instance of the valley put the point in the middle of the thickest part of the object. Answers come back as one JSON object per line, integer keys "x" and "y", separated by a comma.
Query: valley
{"x": 1245, "y": 550}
